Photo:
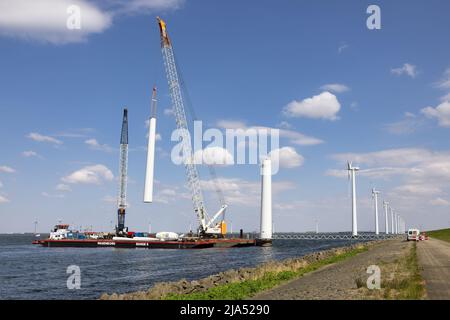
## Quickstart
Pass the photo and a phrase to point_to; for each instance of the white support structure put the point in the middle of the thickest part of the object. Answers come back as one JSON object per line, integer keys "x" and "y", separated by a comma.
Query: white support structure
{"x": 352, "y": 174}
{"x": 392, "y": 221}
{"x": 149, "y": 172}
{"x": 386, "y": 220}
{"x": 375, "y": 198}
{"x": 266, "y": 200}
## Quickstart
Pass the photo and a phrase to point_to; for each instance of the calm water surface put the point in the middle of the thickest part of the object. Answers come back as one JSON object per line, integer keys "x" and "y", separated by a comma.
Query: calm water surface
{"x": 33, "y": 272}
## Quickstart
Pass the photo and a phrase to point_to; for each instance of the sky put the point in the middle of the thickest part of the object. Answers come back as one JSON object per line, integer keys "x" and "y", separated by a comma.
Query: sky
{"x": 337, "y": 90}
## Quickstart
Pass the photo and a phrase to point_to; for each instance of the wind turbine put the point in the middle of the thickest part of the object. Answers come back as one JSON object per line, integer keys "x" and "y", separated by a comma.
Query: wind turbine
{"x": 386, "y": 220}
{"x": 375, "y": 198}
{"x": 352, "y": 174}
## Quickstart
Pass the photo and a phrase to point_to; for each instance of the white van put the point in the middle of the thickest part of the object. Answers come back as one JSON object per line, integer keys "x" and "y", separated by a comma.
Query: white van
{"x": 413, "y": 234}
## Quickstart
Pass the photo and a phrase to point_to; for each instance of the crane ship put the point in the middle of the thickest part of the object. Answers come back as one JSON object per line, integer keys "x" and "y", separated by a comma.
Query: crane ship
{"x": 211, "y": 232}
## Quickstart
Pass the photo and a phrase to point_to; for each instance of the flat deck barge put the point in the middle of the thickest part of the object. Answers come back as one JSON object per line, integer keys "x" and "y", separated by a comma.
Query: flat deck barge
{"x": 157, "y": 244}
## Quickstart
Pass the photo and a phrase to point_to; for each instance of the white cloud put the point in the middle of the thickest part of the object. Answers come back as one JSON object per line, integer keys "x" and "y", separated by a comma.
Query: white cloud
{"x": 439, "y": 202}
{"x": 90, "y": 175}
{"x": 7, "y": 169}
{"x": 95, "y": 145}
{"x": 3, "y": 199}
{"x": 30, "y": 153}
{"x": 287, "y": 157}
{"x": 342, "y": 47}
{"x": 213, "y": 156}
{"x": 293, "y": 136}
{"x": 56, "y": 196}
{"x": 441, "y": 113}
{"x": 41, "y": 138}
{"x": 285, "y": 125}
{"x": 418, "y": 189}
{"x": 407, "y": 125}
{"x": 335, "y": 87}
{"x": 238, "y": 191}
{"x": 446, "y": 97}
{"x": 63, "y": 187}
{"x": 323, "y": 106}
{"x": 408, "y": 69}
{"x": 444, "y": 83}
{"x": 46, "y": 20}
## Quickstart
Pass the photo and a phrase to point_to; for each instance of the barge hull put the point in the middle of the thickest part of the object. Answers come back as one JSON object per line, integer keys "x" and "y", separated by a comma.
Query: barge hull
{"x": 200, "y": 244}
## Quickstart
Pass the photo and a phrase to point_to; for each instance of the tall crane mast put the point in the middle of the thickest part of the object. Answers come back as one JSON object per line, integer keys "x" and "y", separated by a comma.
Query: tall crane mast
{"x": 205, "y": 225}
{"x": 123, "y": 167}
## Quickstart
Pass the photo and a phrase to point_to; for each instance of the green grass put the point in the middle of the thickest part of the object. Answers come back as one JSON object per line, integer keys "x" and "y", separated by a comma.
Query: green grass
{"x": 248, "y": 288}
{"x": 443, "y": 234}
{"x": 408, "y": 287}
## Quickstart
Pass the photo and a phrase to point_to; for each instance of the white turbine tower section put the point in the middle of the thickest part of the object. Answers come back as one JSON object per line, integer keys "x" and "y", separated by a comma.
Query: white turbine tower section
{"x": 352, "y": 174}
{"x": 149, "y": 172}
{"x": 266, "y": 200}
{"x": 386, "y": 220}
{"x": 392, "y": 221}
{"x": 375, "y": 198}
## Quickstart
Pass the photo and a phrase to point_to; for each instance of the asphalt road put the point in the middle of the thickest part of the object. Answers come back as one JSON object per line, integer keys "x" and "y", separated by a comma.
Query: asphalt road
{"x": 434, "y": 259}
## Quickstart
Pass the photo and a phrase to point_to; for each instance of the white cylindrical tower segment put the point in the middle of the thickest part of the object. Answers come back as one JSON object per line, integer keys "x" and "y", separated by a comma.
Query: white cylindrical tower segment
{"x": 148, "y": 187}
{"x": 266, "y": 200}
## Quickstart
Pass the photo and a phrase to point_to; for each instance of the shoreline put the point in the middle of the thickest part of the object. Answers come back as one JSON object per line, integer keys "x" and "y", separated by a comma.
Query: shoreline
{"x": 267, "y": 275}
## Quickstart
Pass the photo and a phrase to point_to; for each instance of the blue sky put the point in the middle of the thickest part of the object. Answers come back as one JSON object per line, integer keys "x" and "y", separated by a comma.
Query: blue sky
{"x": 311, "y": 68}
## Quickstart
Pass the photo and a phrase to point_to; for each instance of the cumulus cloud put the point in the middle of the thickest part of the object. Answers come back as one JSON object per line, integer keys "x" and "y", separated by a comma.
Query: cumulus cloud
{"x": 7, "y": 169}
{"x": 213, "y": 156}
{"x": 47, "y": 20}
{"x": 89, "y": 175}
{"x": 335, "y": 87}
{"x": 407, "y": 69}
{"x": 42, "y": 138}
{"x": 95, "y": 145}
{"x": 323, "y": 106}
{"x": 441, "y": 113}
{"x": 3, "y": 199}
{"x": 286, "y": 157}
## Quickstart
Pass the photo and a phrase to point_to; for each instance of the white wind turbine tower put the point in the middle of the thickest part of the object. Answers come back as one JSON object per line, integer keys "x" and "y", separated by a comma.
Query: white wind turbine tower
{"x": 375, "y": 198}
{"x": 392, "y": 221}
{"x": 352, "y": 174}
{"x": 386, "y": 220}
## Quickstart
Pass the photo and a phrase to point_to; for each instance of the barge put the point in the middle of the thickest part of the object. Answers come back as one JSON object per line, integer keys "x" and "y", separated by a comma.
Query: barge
{"x": 151, "y": 244}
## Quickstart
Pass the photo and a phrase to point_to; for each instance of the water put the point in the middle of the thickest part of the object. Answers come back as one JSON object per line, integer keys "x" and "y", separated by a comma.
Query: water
{"x": 33, "y": 272}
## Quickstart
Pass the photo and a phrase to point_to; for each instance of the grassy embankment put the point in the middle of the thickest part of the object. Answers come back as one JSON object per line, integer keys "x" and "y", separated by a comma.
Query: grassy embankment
{"x": 248, "y": 288}
{"x": 443, "y": 234}
{"x": 401, "y": 279}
